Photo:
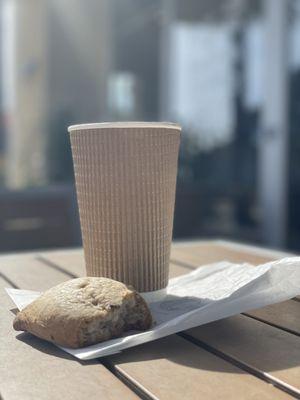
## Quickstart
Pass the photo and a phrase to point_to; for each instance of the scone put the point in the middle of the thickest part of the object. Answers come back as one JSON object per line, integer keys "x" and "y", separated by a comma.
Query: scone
{"x": 84, "y": 311}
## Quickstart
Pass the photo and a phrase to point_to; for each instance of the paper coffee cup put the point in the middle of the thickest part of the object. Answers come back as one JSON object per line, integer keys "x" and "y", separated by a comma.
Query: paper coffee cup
{"x": 125, "y": 177}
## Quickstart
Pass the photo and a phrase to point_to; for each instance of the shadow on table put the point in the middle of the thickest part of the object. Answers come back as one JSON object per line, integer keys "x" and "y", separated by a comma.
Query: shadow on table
{"x": 195, "y": 348}
{"x": 175, "y": 350}
{"x": 49, "y": 348}
{"x": 178, "y": 350}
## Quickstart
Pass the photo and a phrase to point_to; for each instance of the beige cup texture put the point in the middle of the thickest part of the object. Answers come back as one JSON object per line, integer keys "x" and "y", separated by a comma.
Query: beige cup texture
{"x": 125, "y": 181}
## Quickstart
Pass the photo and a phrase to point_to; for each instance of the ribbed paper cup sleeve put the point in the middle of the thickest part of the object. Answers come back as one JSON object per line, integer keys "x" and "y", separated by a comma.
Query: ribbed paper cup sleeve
{"x": 125, "y": 181}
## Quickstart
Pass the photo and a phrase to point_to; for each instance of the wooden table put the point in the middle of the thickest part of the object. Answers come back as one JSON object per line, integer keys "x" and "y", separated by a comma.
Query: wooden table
{"x": 255, "y": 355}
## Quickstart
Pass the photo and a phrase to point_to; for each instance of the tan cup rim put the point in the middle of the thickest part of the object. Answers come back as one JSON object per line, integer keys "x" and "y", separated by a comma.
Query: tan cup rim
{"x": 122, "y": 125}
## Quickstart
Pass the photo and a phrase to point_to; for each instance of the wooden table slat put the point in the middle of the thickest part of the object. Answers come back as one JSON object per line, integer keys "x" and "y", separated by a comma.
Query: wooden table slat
{"x": 214, "y": 252}
{"x": 30, "y": 273}
{"x": 267, "y": 349}
{"x": 72, "y": 261}
{"x": 173, "y": 368}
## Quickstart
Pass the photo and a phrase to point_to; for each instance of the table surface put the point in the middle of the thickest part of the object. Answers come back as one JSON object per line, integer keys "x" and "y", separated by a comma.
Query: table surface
{"x": 255, "y": 355}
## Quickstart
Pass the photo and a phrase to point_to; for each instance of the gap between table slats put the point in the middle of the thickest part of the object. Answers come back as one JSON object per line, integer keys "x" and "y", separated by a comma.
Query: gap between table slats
{"x": 257, "y": 318}
{"x": 8, "y": 281}
{"x": 259, "y": 374}
{"x": 176, "y": 368}
{"x": 266, "y": 350}
{"x": 128, "y": 381}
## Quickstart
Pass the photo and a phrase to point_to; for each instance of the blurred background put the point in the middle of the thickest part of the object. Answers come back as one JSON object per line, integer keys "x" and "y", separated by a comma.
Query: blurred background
{"x": 227, "y": 70}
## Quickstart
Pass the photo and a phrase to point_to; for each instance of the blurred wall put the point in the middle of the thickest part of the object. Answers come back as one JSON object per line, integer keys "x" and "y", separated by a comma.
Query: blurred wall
{"x": 55, "y": 65}
{"x": 24, "y": 67}
{"x": 80, "y": 56}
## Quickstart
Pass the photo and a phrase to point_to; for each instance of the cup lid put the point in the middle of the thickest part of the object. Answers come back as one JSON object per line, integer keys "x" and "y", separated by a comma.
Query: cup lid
{"x": 129, "y": 124}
